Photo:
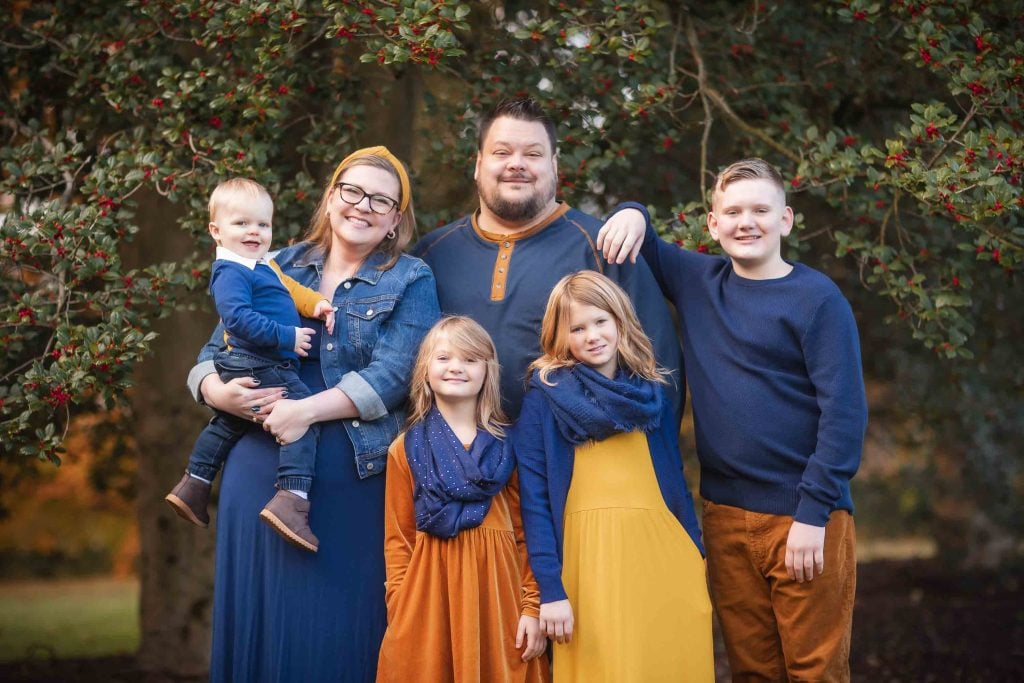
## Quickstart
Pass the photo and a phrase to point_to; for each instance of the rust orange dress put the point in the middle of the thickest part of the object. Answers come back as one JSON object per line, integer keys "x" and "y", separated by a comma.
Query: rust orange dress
{"x": 454, "y": 604}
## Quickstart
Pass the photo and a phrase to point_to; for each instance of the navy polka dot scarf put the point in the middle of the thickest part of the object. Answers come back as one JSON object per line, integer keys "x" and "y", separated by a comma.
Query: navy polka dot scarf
{"x": 454, "y": 486}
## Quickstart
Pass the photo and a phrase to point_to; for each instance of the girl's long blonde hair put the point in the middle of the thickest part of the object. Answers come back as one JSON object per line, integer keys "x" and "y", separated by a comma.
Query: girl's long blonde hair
{"x": 590, "y": 288}
{"x": 468, "y": 337}
{"x": 320, "y": 232}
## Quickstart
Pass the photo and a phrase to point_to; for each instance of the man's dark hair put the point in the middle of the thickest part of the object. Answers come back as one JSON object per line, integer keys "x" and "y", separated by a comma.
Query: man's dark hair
{"x": 523, "y": 109}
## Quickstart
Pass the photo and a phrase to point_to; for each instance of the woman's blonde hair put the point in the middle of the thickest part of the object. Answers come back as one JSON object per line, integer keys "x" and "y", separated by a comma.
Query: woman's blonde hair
{"x": 590, "y": 288}
{"x": 468, "y": 337}
{"x": 320, "y": 226}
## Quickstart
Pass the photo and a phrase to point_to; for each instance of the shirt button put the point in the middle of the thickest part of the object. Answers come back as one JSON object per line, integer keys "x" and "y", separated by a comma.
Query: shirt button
{"x": 504, "y": 256}
{"x": 501, "y": 270}
{"x": 507, "y": 245}
{"x": 330, "y": 347}
{"x": 355, "y": 423}
{"x": 369, "y": 311}
{"x": 369, "y": 465}
{"x": 348, "y": 285}
{"x": 498, "y": 285}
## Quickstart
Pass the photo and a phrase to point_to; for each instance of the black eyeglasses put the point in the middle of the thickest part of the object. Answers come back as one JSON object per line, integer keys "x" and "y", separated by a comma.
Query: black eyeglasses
{"x": 379, "y": 203}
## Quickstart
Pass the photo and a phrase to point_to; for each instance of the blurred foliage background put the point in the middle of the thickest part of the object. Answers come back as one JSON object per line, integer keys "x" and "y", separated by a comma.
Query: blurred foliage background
{"x": 897, "y": 126}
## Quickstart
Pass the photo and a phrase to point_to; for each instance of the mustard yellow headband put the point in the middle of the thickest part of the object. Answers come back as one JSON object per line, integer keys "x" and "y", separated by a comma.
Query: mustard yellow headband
{"x": 382, "y": 152}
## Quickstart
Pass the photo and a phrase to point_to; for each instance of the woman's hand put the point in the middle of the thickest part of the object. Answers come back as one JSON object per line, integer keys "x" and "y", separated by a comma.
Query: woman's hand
{"x": 289, "y": 420}
{"x": 241, "y": 396}
{"x": 530, "y": 636}
{"x": 556, "y": 620}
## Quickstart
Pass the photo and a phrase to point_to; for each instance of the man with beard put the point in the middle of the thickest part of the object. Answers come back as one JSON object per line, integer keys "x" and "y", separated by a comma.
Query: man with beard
{"x": 499, "y": 264}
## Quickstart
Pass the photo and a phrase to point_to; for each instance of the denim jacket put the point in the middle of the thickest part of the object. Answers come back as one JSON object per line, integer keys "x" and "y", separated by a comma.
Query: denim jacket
{"x": 382, "y": 317}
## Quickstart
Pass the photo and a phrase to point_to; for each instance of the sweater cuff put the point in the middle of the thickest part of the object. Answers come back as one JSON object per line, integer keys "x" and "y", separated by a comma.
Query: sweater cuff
{"x": 286, "y": 338}
{"x": 813, "y": 512}
{"x": 196, "y": 376}
{"x": 530, "y": 612}
{"x": 364, "y": 396}
{"x": 551, "y": 589}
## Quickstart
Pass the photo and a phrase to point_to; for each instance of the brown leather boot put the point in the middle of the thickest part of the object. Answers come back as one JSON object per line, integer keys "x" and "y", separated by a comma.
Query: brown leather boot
{"x": 189, "y": 499}
{"x": 288, "y": 514}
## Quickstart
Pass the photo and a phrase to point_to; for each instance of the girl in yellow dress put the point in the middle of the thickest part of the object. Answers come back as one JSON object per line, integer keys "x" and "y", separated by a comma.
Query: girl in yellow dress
{"x": 462, "y": 603}
{"x": 610, "y": 524}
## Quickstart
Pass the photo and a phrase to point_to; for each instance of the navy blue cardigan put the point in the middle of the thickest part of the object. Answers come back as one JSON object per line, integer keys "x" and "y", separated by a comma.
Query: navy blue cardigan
{"x": 545, "y": 461}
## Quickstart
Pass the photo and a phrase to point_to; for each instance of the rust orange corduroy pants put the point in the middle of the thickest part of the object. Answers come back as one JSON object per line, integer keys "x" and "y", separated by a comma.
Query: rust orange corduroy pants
{"x": 775, "y": 628}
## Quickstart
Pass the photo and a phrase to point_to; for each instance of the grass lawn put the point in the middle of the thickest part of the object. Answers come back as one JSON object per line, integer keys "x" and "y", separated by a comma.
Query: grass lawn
{"x": 68, "y": 618}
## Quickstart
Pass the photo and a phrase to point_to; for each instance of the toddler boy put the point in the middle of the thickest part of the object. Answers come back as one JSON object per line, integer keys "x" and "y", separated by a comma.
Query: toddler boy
{"x": 257, "y": 305}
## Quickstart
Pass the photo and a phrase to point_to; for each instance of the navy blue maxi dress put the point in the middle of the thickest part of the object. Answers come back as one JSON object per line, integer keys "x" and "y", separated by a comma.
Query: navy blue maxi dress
{"x": 280, "y": 613}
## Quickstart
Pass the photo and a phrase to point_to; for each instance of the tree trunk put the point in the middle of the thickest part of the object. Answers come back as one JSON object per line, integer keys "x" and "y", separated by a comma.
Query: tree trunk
{"x": 176, "y": 558}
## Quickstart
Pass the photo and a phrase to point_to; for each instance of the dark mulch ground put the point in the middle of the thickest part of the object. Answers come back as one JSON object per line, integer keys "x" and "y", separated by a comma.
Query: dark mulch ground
{"x": 918, "y": 621}
{"x": 914, "y": 621}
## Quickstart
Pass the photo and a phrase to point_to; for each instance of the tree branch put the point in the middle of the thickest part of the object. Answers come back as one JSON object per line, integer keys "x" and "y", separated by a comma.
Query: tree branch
{"x": 709, "y": 119}
{"x": 710, "y": 96}
{"x": 942, "y": 151}
{"x": 723, "y": 106}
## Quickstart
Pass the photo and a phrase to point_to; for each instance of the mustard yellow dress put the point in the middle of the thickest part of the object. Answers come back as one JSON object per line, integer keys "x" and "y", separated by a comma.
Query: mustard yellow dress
{"x": 635, "y": 579}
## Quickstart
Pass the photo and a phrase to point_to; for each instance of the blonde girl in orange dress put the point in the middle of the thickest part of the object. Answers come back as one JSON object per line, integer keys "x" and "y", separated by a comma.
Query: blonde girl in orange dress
{"x": 610, "y": 523}
{"x": 462, "y": 603}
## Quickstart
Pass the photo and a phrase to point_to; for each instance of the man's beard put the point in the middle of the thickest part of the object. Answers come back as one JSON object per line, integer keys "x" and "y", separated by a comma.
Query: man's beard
{"x": 516, "y": 210}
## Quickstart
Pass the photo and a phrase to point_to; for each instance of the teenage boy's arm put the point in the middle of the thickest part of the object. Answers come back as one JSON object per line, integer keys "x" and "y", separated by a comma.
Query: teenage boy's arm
{"x": 621, "y": 235}
{"x": 832, "y": 354}
{"x": 630, "y": 232}
{"x": 639, "y": 283}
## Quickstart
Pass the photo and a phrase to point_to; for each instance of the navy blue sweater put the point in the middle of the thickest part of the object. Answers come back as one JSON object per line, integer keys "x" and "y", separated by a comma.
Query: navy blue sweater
{"x": 545, "y": 461}
{"x": 256, "y": 309}
{"x": 503, "y": 283}
{"x": 775, "y": 380}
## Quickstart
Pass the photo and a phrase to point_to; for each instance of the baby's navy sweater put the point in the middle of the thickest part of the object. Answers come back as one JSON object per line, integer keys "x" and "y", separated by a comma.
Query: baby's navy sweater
{"x": 256, "y": 309}
{"x": 775, "y": 379}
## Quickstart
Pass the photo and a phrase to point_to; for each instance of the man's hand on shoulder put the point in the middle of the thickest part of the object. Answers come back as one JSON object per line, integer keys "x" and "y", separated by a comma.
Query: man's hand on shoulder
{"x": 805, "y": 551}
{"x": 622, "y": 235}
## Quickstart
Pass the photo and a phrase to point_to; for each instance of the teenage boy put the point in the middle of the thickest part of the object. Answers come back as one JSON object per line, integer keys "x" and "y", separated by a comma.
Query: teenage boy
{"x": 773, "y": 364}
{"x": 257, "y": 304}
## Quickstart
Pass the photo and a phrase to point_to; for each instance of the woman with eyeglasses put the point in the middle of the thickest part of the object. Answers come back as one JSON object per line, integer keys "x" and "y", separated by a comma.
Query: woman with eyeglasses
{"x": 281, "y": 613}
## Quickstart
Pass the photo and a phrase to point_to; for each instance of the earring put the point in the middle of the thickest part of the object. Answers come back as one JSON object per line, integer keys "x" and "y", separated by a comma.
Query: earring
{"x": 391, "y": 235}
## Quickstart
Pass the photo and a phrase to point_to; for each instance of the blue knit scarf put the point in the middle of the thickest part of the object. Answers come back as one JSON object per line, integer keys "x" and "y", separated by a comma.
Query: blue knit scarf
{"x": 589, "y": 406}
{"x": 454, "y": 487}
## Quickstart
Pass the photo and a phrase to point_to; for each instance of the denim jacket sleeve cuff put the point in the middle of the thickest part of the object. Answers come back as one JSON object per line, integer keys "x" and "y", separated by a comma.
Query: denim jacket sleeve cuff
{"x": 365, "y": 398}
{"x": 196, "y": 376}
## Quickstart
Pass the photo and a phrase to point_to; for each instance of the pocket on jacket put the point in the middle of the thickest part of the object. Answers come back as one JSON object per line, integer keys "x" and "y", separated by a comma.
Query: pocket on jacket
{"x": 364, "y": 318}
